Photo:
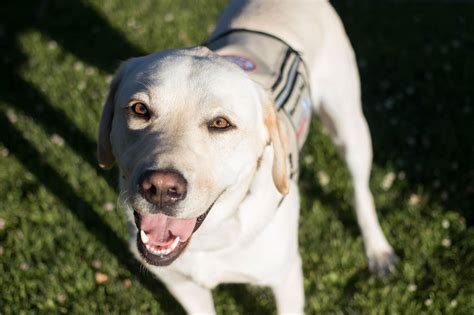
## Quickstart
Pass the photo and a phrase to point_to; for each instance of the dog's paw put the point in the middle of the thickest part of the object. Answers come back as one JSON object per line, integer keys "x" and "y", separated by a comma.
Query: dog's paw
{"x": 382, "y": 263}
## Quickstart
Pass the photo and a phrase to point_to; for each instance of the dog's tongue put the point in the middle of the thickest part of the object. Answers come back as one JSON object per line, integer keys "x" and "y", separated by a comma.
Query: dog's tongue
{"x": 161, "y": 229}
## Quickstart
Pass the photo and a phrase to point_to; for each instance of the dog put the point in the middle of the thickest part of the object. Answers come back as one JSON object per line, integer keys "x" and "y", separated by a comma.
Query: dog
{"x": 207, "y": 139}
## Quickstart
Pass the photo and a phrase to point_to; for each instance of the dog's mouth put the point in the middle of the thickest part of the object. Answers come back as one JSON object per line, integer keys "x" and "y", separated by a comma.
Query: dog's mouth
{"x": 161, "y": 238}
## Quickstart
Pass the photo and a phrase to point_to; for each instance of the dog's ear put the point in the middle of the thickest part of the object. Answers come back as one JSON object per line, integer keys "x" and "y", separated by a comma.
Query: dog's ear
{"x": 105, "y": 155}
{"x": 279, "y": 139}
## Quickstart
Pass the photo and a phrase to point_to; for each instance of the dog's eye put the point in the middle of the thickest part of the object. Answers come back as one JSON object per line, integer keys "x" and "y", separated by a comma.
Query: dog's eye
{"x": 219, "y": 123}
{"x": 140, "y": 109}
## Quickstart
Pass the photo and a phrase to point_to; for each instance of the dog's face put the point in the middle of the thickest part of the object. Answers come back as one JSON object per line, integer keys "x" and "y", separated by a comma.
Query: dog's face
{"x": 183, "y": 126}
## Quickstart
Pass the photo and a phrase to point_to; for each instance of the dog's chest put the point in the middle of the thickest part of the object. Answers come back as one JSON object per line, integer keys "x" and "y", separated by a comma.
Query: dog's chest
{"x": 209, "y": 270}
{"x": 233, "y": 265}
{"x": 281, "y": 71}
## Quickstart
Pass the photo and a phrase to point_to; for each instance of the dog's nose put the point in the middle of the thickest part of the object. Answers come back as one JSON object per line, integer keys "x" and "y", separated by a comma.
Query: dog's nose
{"x": 163, "y": 188}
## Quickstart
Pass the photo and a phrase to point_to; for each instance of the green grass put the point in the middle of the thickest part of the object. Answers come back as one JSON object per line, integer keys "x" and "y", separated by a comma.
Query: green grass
{"x": 59, "y": 223}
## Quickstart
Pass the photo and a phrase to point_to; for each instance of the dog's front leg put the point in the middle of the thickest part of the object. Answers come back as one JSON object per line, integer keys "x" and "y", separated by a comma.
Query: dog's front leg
{"x": 194, "y": 298}
{"x": 289, "y": 291}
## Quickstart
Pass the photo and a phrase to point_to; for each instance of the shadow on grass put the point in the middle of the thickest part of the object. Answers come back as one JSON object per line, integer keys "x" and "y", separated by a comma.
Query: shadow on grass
{"x": 417, "y": 73}
{"x": 248, "y": 301}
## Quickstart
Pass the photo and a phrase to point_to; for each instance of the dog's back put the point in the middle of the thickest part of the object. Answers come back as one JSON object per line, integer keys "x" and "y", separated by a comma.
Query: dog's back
{"x": 305, "y": 30}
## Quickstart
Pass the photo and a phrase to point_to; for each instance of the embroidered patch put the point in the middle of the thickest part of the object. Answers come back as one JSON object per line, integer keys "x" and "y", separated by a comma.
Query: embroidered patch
{"x": 244, "y": 63}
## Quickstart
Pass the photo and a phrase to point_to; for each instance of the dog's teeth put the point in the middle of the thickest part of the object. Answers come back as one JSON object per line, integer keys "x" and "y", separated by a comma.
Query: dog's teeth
{"x": 144, "y": 237}
{"x": 175, "y": 243}
{"x": 161, "y": 252}
{"x": 154, "y": 250}
{"x": 148, "y": 248}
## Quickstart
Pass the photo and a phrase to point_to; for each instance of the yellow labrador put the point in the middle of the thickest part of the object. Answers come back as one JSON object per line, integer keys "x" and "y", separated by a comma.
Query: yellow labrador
{"x": 207, "y": 144}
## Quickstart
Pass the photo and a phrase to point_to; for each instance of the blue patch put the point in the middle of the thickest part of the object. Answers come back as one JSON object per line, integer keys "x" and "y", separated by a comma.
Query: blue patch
{"x": 307, "y": 104}
{"x": 245, "y": 64}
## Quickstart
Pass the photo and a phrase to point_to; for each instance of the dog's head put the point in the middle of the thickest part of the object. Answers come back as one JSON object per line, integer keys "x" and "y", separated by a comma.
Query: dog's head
{"x": 184, "y": 126}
